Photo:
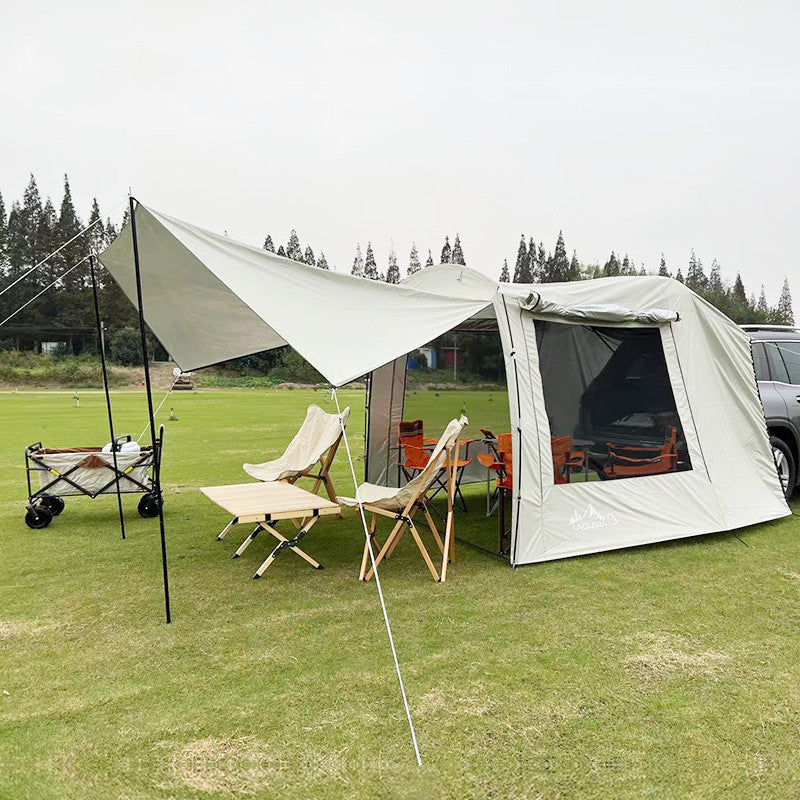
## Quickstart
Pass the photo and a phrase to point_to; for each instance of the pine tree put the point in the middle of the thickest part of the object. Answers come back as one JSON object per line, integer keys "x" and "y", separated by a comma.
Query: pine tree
{"x": 429, "y": 262}
{"x": 762, "y": 306}
{"x": 447, "y": 253}
{"x": 293, "y": 249}
{"x": 73, "y": 307}
{"x": 370, "y": 266}
{"x": 611, "y": 267}
{"x": 522, "y": 271}
{"x": 715, "y": 277}
{"x": 308, "y": 257}
{"x": 23, "y": 222}
{"x": 358, "y": 263}
{"x": 392, "y": 271}
{"x": 662, "y": 269}
{"x": 97, "y": 237}
{"x": 542, "y": 257}
{"x": 785, "y": 310}
{"x": 626, "y": 268}
{"x": 679, "y": 275}
{"x": 504, "y": 276}
{"x": 3, "y": 228}
{"x": 535, "y": 268}
{"x": 413, "y": 260}
{"x": 457, "y": 256}
{"x": 322, "y": 262}
{"x": 557, "y": 266}
{"x": 268, "y": 246}
{"x": 281, "y": 251}
{"x": 695, "y": 276}
{"x": 574, "y": 273}
{"x": 739, "y": 294}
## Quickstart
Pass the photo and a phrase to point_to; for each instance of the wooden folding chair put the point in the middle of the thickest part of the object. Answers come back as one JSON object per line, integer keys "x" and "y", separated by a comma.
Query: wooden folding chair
{"x": 402, "y": 504}
{"x": 310, "y": 455}
{"x": 416, "y": 449}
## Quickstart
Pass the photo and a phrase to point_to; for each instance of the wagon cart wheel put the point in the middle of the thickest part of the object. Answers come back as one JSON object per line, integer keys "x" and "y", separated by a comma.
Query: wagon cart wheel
{"x": 55, "y": 505}
{"x": 38, "y": 517}
{"x": 149, "y": 505}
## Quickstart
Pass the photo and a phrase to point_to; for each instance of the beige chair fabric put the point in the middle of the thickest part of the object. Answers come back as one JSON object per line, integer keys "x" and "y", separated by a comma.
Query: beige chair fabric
{"x": 389, "y": 497}
{"x": 319, "y": 432}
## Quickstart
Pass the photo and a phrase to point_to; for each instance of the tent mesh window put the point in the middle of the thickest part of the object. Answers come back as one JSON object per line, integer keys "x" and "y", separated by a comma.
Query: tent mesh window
{"x": 609, "y": 403}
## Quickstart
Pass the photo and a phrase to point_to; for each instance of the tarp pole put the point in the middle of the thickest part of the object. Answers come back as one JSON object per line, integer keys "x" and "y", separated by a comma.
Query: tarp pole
{"x": 156, "y": 457}
{"x": 101, "y": 343}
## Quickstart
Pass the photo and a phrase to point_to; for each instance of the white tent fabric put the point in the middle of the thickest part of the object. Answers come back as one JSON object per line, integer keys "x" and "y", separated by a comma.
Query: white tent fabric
{"x": 733, "y": 481}
{"x": 209, "y": 298}
{"x": 609, "y": 313}
{"x": 318, "y": 433}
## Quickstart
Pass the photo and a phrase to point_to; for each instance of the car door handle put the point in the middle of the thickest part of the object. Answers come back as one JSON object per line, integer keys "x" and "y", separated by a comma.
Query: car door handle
{"x": 798, "y": 398}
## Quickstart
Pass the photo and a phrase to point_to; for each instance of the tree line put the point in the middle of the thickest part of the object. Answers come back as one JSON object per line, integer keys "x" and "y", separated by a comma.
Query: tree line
{"x": 32, "y": 228}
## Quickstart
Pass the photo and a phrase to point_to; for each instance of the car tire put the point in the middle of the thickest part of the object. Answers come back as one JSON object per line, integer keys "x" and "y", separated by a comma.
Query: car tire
{"x": 784, "y": 462}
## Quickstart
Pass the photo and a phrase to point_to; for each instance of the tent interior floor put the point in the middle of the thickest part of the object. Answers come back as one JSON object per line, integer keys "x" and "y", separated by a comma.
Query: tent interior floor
{"x": 616, "y": 675}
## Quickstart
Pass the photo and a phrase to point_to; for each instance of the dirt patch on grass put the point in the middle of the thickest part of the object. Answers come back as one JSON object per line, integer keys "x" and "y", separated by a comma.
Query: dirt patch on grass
{"x": 246, "y": 765}
{"x": 661, "y": 655}
{"x": 32, "y": 627}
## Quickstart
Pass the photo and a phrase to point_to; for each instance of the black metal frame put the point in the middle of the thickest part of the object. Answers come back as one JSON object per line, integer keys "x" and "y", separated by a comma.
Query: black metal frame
{"x": 148, "y": 458}
{"x": 145, "y": 357}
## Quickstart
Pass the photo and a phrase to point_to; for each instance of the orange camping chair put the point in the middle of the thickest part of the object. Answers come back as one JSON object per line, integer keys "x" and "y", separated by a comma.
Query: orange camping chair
{"x": 505, "y": 486}
{"x": 564, "y": 458}
{"x": 416, "y": 451}
{"x": 628, "y": 462}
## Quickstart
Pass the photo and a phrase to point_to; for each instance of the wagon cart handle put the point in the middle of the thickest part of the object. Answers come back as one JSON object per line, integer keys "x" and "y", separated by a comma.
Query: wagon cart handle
{"x": 120, "y": 440}
{"x": 33, "y": 447}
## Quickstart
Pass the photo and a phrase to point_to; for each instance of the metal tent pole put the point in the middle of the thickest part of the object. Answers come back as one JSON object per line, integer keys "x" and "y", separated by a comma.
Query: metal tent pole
{"x": 102, "y": 345}
{"x": 156, "y": 471}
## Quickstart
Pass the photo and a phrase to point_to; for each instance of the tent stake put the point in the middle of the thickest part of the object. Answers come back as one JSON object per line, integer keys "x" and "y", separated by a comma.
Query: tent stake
{"x": 145, "y": 357}
{"x": 101, "y": 343}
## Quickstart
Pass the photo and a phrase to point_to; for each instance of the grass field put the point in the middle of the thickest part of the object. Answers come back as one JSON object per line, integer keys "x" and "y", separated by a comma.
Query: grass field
{"x": 668, "y": 671}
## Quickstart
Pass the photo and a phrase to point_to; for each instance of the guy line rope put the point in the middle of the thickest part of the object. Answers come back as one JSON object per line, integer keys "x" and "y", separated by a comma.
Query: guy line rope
{"x": 378, "y": 583}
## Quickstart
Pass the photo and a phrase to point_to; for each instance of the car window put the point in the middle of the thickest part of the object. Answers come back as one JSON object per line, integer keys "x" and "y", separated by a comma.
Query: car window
{"x": 760, "y": 362}
{"x": 777, "y": 368}
{"x": 790, "y": 352}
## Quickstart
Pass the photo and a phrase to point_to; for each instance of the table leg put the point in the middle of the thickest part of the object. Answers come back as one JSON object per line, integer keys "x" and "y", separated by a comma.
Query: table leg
{"x": 284, "y": 543}
{"x": 246, "y": 543}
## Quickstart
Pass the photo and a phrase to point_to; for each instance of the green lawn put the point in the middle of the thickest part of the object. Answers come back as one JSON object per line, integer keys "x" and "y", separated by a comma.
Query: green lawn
{"x": 668, "y": 671}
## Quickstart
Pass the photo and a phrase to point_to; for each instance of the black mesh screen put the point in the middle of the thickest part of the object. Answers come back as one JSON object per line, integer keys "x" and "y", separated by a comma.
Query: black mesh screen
{"x": 609, "y": 403}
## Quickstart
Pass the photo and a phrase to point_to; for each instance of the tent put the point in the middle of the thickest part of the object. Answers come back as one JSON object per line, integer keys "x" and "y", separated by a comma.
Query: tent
{"x": 612, "y": 363}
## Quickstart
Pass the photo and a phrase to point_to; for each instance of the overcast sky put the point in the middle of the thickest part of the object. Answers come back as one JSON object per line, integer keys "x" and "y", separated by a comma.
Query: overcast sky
{"x": 642, "y": 126}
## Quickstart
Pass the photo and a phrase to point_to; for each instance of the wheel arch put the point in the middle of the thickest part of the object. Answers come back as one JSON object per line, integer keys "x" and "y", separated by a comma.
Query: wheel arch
{"x": 789, "y": 436}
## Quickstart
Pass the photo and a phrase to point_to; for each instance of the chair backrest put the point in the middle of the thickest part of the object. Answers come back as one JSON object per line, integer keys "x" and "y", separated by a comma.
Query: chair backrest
{"x": 411, "y": 434}
{"x": 319, "y": 432}
{"x": 671, "y": 442}
{"x": 506, "y": 453}
{"x": 438, "y": 457}
{"x": 561, "y": 446}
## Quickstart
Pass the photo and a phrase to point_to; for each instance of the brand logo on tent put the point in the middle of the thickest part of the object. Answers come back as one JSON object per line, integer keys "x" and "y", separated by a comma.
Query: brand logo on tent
{"x": 591, "y": 519}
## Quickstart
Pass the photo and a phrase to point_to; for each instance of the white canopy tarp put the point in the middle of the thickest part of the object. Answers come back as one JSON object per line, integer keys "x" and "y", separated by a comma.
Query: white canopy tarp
{"x": 209, "y": 299}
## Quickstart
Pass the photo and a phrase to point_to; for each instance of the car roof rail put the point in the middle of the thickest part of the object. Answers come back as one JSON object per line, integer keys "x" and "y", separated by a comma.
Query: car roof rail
{"x": 759, "y": 327}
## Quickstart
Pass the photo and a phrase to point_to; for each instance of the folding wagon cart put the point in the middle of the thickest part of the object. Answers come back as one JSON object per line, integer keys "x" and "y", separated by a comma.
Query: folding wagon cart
{"x": 91, "y": 472}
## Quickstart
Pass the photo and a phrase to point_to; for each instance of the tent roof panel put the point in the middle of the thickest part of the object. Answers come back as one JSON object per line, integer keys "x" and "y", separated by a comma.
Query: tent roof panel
{"x": 209, "y": 298}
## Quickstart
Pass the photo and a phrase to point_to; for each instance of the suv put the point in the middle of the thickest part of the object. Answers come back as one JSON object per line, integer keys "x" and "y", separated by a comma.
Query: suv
{"x": 776, "y": 357}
